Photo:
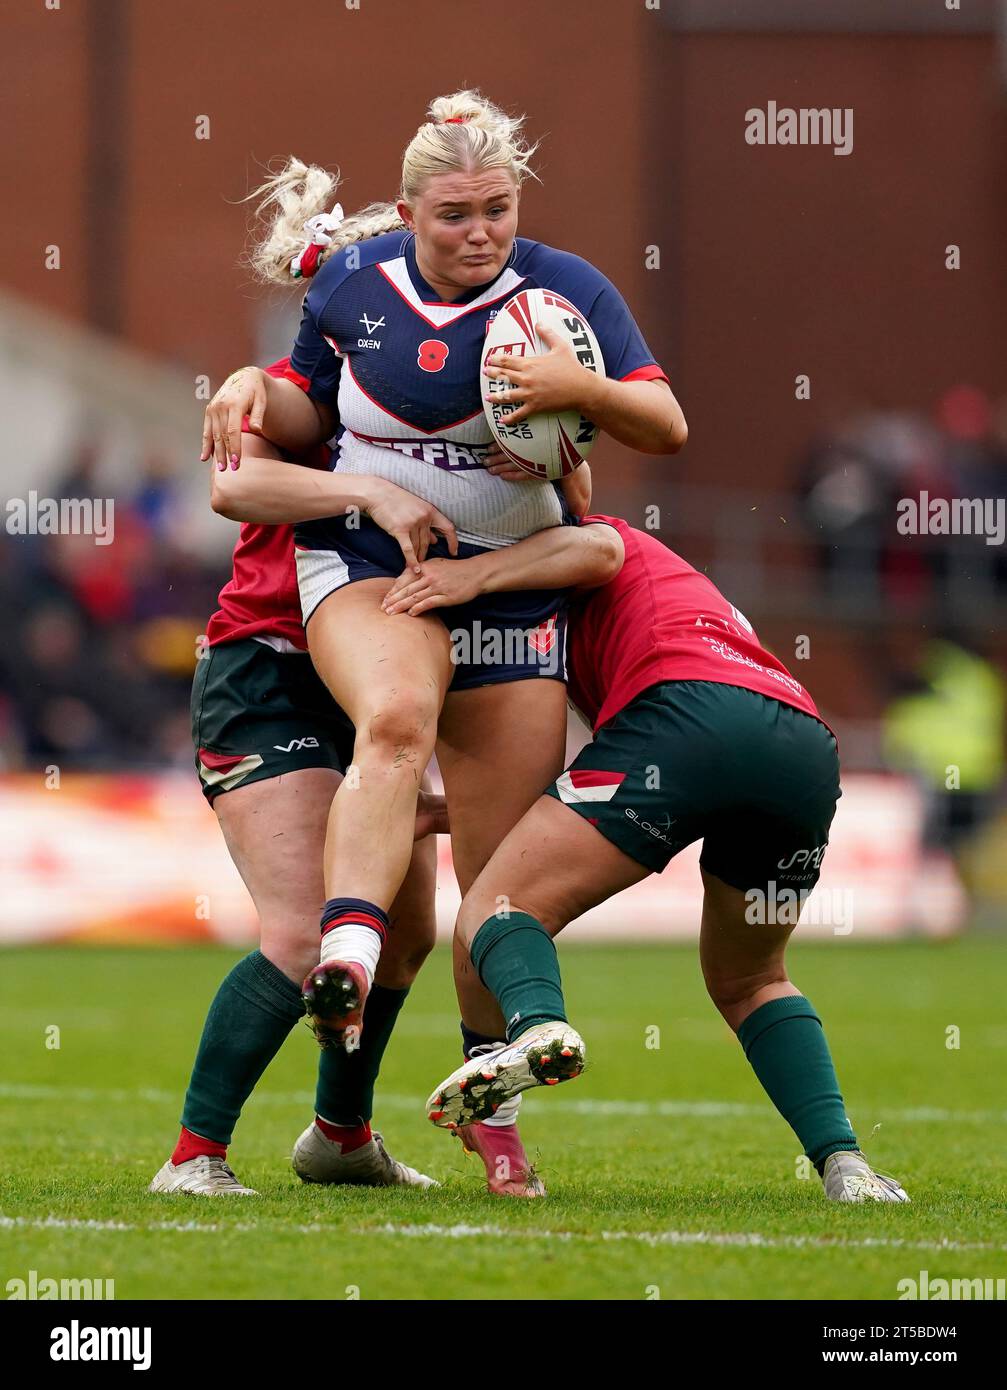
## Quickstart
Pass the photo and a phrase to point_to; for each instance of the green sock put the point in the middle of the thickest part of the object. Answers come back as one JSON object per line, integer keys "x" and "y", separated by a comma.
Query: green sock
{"x": 516, "y": 961}
{"x": 345, "y": 1092}
{"x": 785, "y": 1043}
{"x": 251, "y": 1014}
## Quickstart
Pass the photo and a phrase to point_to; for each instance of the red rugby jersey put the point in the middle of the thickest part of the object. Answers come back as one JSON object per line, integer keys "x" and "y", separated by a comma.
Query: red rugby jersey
{"x": 661, "y": 620}
{"x": 261, "y": 598}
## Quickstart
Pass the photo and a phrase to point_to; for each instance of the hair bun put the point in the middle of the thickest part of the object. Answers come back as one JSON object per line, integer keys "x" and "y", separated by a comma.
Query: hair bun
{"x": 470, "y": 107}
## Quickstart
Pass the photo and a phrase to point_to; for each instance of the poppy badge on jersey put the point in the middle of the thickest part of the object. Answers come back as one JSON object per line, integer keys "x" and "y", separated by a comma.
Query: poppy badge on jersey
{"x": 432, "y": 355}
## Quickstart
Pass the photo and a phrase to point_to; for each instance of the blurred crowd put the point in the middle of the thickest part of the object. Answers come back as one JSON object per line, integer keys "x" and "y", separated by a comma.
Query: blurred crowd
{"x": 854, "y": 477}
{"x": 942, "y": 656}
{"x": 98, "y": 642}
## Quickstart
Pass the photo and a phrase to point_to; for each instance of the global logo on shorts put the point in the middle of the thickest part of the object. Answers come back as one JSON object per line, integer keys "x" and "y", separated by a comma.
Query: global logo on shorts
{"x": 650, "y": 828}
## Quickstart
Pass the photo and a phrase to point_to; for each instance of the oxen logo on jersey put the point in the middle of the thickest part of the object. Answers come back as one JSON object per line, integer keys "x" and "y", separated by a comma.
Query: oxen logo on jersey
{"x": 432, "y": 355}
{"x": 370, "y": 324}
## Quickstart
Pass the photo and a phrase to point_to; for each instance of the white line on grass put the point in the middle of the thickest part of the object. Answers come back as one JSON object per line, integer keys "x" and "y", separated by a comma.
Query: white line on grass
{"x": 669, "y": 1109}
{"x": 70, "y": 1223}
{"x": 744, "y": 1239}
{"x": 739, "y": 1239}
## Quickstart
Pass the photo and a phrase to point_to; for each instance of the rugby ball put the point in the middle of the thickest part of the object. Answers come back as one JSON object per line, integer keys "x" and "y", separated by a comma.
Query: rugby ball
{"x": 545, "y": 446}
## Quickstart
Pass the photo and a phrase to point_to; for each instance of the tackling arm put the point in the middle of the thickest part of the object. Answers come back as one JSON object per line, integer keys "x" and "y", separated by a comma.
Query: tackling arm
{"x": 276, "y": 408}
{"x": 561, "y": 557}
{"x": 268, "y": 491}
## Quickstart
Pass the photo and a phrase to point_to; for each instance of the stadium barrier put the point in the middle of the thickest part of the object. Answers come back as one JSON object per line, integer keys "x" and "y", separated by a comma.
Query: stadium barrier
{"x": 139, "y": 860}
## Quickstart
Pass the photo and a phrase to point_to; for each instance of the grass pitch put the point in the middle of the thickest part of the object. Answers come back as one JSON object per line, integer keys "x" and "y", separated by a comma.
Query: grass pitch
{"x": 669, "y": 1173}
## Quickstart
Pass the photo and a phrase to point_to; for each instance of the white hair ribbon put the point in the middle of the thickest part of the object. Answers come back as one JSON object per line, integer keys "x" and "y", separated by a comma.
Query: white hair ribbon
{"x": 319, "y": 230}
{"x": 323, "y": 225}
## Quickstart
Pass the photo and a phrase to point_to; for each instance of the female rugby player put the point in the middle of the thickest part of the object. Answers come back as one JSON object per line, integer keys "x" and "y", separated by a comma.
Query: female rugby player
{"x": 391, "y": 337}
{"x": 271, "y": 749}
{"x": 699, "y": 733}
{"x": 266, "y": 492}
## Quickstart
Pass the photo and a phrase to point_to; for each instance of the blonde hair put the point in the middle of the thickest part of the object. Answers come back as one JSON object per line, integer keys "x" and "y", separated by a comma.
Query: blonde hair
{"x": 463, "y": 131}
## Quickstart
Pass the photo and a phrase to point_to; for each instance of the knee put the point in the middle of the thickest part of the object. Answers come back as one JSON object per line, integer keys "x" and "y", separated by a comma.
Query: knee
{"x": 736, "y": 995}
{"x": 474, "y": 911}
{"x": 478, "y": 908}
{"x": 295, "y": 952}
{"x": 401, "y": 727}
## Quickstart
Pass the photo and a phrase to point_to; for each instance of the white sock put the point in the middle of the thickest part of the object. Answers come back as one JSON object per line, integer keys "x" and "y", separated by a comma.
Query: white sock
{"x": 506, "y": 1114}
{"x": 352, "y": 941}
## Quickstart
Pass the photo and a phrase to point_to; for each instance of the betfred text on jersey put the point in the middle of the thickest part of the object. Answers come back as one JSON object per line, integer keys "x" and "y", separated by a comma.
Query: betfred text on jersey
{"x": 442, "y": 453}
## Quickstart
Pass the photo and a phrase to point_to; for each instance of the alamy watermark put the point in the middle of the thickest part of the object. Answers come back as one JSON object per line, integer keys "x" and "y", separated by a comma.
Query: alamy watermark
{"x": 541, "y": 646}
{"x": 61, "y": 516}
{"x": 42, "y": 1287}
{"x": 76, "y": 1343}
{"x": 941, "y": 1290}
{"x": 783, "y": 125}
{"x": 955, "y": 516}
{"x": 785, "y": 907}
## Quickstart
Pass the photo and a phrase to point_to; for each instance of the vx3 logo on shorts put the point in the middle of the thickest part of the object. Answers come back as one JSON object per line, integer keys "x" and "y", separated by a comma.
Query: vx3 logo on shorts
{"x": 805, "y": 858}
{"x": 308, "y": 742}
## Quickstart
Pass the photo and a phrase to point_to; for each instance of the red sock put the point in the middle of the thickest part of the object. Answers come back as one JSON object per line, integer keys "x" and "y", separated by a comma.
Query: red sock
{"x": 189, "y": 1145}
{"x": 349, "y": 1137}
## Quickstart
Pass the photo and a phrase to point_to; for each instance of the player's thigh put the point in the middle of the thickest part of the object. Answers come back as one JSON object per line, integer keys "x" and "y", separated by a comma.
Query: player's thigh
{"x": 739, "y": 950}
{"x": 275, "y": 834}
{"x": 764, "y": 845}
{"x": 553, "y": 865}
{"x": 499, "y": 747}
{"x": 372, "y": 662}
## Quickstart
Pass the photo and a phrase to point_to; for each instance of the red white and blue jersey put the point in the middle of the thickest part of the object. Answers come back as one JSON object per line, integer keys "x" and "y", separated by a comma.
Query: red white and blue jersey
{"x": 403, "y": 368}
{"x": 661, "y": 620}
